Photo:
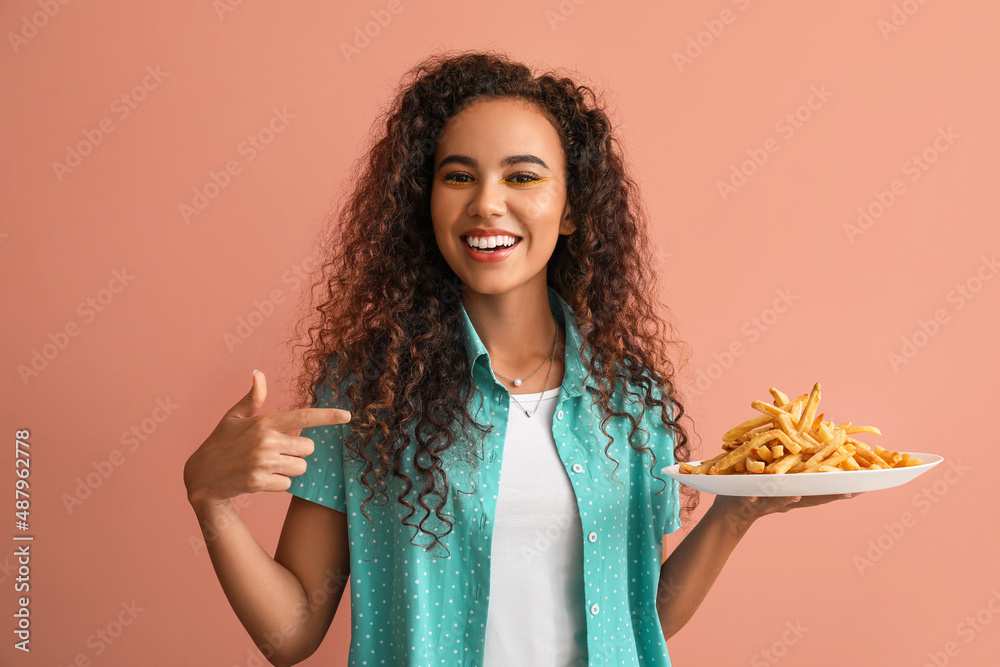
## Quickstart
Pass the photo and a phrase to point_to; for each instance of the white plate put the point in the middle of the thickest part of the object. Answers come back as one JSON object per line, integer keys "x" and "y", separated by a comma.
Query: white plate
{"x": 804, "y": 484}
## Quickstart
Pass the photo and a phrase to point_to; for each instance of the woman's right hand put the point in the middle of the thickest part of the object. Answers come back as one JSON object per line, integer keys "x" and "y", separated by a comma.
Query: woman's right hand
{"x": 247, "y": 452}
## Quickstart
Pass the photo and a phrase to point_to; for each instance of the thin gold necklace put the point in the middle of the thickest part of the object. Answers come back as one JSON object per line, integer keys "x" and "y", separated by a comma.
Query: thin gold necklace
{"x": 517, "y": 381}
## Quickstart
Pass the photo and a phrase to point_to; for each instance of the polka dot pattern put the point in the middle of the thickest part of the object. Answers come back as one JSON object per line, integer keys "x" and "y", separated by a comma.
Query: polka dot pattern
{"x": 414, "y": 607}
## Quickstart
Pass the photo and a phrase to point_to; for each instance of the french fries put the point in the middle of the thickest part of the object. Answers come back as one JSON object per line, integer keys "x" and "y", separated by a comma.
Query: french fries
{"x": 789, "y": 437}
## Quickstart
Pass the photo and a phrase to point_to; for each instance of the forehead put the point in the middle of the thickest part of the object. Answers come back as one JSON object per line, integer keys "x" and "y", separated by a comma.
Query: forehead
{"x": 488, "y": 130}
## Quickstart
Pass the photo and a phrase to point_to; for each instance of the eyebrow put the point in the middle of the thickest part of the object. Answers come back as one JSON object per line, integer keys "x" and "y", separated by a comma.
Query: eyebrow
{"x": 508, "y": 161}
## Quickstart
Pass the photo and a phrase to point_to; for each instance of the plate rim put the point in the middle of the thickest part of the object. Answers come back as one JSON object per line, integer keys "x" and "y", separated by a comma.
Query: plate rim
{"x": 753, "y": 484}
{"x": 928, "y": 464}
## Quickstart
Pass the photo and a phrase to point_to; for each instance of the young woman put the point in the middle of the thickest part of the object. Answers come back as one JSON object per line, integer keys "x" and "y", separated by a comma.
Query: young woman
{"x": 486, "y": 306}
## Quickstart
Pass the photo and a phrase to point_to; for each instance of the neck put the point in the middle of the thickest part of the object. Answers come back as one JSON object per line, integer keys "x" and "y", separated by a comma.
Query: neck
{"x": 517, "y": 328}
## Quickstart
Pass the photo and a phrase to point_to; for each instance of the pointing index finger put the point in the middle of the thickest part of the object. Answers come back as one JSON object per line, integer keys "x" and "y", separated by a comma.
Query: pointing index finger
{"x": 294, "y": 420}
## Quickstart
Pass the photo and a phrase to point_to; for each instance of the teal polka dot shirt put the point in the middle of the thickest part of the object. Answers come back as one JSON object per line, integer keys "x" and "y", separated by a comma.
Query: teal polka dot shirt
{"x": 414, "y": 607}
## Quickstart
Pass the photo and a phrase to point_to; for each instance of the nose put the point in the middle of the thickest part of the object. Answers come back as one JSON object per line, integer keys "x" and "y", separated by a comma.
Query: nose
{"x": 488, "y": 200}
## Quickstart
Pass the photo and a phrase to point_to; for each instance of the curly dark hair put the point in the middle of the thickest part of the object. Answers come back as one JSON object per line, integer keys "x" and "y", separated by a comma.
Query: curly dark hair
{"x": 384, "y": 312}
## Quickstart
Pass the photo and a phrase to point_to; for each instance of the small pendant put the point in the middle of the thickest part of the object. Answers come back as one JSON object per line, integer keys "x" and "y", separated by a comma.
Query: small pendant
{"x": 517, "y": 382}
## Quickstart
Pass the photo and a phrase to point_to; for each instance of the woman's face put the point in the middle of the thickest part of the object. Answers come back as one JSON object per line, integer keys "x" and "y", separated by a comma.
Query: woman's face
{"x": 499, "y": 166}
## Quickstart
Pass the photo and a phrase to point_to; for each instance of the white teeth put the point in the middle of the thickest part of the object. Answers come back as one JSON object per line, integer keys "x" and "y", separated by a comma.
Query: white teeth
{"x": 487, "y": 242}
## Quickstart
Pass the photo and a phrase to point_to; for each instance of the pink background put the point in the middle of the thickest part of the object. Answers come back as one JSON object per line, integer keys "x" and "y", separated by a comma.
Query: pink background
{"x": 687, "y": 125}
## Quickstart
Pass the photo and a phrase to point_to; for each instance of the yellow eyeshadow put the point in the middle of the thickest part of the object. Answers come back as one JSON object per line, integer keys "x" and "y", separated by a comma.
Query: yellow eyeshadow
{"x": 531, "y": 182}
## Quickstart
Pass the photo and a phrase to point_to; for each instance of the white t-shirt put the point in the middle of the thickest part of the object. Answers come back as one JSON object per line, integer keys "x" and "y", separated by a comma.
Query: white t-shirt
{"x": 537, "y": 611}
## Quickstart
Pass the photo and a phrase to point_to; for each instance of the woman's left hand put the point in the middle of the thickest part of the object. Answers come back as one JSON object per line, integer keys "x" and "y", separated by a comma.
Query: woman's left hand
{"x": 741, "y": 511}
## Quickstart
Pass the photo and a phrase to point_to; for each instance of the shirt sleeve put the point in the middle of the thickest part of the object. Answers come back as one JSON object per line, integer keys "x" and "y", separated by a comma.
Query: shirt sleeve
{"x": 670, "y": 497}
{"x": 324, "y": 479}
{"x": 662, "y": 442}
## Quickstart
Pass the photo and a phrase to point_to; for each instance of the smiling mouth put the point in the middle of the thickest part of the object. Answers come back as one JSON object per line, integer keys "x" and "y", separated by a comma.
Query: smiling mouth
{"x": 490, "y": 251}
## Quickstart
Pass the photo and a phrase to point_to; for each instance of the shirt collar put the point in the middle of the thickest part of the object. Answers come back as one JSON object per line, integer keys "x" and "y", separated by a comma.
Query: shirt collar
{"x": 575, "y": 371}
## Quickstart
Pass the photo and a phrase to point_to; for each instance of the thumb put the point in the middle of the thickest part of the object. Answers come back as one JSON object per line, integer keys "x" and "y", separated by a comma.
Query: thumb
{"x": 250, "y": 404}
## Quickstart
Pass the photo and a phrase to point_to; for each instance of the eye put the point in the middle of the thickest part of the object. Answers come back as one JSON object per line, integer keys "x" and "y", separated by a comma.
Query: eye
{"x": 520, "y": 179}
{"x": 531, "y": 179}
{"x": 452, "y": 178}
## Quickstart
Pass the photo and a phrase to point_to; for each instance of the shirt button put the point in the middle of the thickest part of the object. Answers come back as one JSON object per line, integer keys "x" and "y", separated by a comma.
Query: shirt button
{"x": 594, "y": 609}
{"x": 577, "y": 467}
{"x": 592, "y": 537}
{"x": 559, "y": 415}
